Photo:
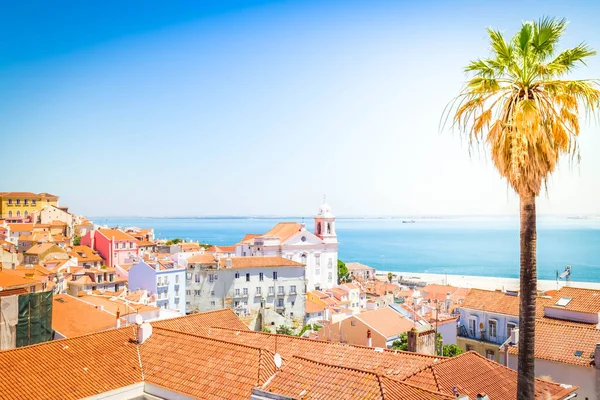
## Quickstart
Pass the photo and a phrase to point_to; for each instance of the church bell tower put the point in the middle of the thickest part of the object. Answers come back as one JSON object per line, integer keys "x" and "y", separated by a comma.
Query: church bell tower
{"x": 325, "y": 224}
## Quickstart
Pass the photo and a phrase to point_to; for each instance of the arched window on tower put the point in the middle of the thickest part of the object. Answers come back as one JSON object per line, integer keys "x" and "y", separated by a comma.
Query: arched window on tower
{"x": 319, "y": 228}
{"x": 18, "y": 213}
{"x": 303, "y": 259}
{"x": 329, "y": 228}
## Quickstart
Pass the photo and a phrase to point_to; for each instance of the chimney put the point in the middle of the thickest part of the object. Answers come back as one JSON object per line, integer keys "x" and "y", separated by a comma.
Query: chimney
{"x": 228, "y": 263}
{"x": 118, "y": 318}
{"x": 514, "y": 336}
{"x": 597, "y": 356}
{"x": 369, "y": 340}
{"x": 412, "y": 340}
{"x": 100, "y": 307}
{"x": 144, "y": 332}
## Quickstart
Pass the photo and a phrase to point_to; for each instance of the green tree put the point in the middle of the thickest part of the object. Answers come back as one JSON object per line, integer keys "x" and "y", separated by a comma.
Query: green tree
{"x": 284, "y": 330}
{"x": 311, "y": 327}
{"x": 519, "y": 105}
{"x": 390, "y": 277}
{"x": 451, "y": 350}
{"x": 174, "y": 241}
{"x": 343, "y": 275}
{"x": 402, "y": 343}
{"x": 76, "y": 239}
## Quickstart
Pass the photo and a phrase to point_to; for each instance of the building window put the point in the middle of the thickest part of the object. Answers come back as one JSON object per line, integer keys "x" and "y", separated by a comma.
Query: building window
{"x": 280, "y": 303}
{"x": 469, "y": 347}
{"x": 330, "y": 276}
{"x": 236, "y": 303}
{"x": 293, "y": 289}
{"x": 293, "y": 303}
{"x": 280, "y": 290}
{"x": 492, "y": 328}
{"x": 318, "y": 260}
{"x": 18, "y": 213}
{"x": 245, "y": 291}
{"x": 261, "y": 276}
{"x": 18, "y": 201}
{"x": 188, "y": 292}
{"x": 212, "y": 292}
{"x": 196, "y": 293}
{"x": 237, "y": 292}
{"x": 330, "y": 263}
{"x": 10, "y": 202}
{"x": 247, "y": 277}
{"x": 271, "y": 290}
{"x": 258, "y": 290}
{"x": 25, "y": 202}
{"x": 33, "y": 202}
{"x": 237, "y": 275}
{"x": 211, "y": 278}
{"x": 26, "y": 213}
{"x": 131, "y": 245}
{"x": 274, "y": 275}
{"x": 317, "y": 271}
{"x": 472, "y": 326}
{"x": 490, "y": 355}
{"x": 353, "y": 323}
{"x": 303, "y": 257}
{"x": 197, "y": 278}
{"x": 212, "y": 303}
{"x": 176, "y": 278}
{"x": 10, "y": 214}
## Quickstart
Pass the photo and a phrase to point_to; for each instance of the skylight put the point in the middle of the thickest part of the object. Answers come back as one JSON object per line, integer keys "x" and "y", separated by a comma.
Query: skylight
{"x": 563, "y": 301}
{"x": 578, "y": 353}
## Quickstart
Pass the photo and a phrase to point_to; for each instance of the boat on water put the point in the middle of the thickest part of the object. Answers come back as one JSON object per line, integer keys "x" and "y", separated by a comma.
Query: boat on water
{"x": 408, "y": 221}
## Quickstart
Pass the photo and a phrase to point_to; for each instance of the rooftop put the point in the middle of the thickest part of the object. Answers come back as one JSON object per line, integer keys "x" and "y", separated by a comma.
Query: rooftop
{"x": 565, "y": 343}
{"x": 354, "y": 266}
{"x": 385, "y": 321}
{"x": 283, "y": 231}
{"x": 73, "y": 317}
{"x": 577, "y": 299}
{"x": 259, "y": 262}
{"x": 498, "y": 302}
{"x": 116, "y": 234}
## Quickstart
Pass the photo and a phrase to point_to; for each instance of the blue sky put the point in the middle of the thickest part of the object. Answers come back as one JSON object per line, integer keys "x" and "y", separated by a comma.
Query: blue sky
{"x": 196, "y": 108}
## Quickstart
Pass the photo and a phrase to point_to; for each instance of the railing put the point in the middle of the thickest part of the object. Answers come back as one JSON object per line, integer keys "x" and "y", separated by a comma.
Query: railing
{"x": 293, "y": 292}
{"x": 481, "y": 335}
{"x": 257, "y": 294}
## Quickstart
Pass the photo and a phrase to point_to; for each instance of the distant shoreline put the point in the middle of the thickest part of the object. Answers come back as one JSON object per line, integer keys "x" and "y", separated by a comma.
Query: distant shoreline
{"x": 481, "y": 282}
{"x": 393, "y": 217}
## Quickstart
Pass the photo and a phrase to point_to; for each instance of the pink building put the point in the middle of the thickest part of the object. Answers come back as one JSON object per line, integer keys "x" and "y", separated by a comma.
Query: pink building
{"x": 115, "y": 246}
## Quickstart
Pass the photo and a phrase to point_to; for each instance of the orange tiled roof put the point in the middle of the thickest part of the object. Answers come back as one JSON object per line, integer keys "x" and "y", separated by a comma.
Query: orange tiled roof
{"x": 20, "y": 227}
{"x": 44, "y": 247}
{"x": 472, "y": 374}
{"x": 249, "y": 238}
{"x": 206, "y": 259}
{"x": 9, "y": 280}
{"x": 259, "y": 262}
{"x": 312, "y": 307}
{"x": 85, "y": 253}
{"x": 302, "y": 378}
{"x": 73, "y": 317}
{"x": 201, "y": 322}
{"x": 217, "y": 369}
{"x": 354, "y": 266}
{"x": 283, "y": 230}
{"x": 116, "y": 234}
{"x": 112, "y": 306}
{"x": 385, "y": 321}
{"x": 583, "y": 300}
{"x": 388, "y": 362}
{"x": 559, "y": 342}
{"x": 498, "y": 302}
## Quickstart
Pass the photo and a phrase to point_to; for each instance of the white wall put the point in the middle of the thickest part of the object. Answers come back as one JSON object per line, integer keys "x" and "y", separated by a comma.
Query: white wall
{"x": 587, "y": 378}
{"x": 485, "y": 316}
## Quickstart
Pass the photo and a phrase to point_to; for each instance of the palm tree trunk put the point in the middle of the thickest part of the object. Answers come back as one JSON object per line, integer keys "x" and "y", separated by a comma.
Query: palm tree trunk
{"x": 528, "y": 293}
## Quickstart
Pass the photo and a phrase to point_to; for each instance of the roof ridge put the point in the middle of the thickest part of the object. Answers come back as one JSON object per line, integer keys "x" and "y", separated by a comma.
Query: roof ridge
{"x": 335, "y": 343}
{"x": 335, "y": 365}
{"x": 541, "y": 321}
{"x": 393, "y": 378}
{"x": 207, "y": 337}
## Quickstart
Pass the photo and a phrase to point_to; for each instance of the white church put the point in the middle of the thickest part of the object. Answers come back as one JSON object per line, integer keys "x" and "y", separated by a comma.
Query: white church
{"x": 318, "y": 250}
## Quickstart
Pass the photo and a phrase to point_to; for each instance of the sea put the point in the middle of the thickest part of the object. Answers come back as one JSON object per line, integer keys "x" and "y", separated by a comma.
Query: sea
{"x": 480, "y": 246}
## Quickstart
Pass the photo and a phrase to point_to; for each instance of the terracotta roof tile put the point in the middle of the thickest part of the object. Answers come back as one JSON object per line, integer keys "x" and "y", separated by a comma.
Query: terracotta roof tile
{"x": 9, "y": 280}
{"x": 583, "y": 300}
{"x": 73, "y": 317}
{"x": 385, "y": 321}
{"x": 312, "y": 307}
{"x": 472, "y": 374}
{"x": 560, "y": 342}
{"x": 388, "y": 362}
{"x": 205, "y": 259}
{"x": 498, "y": 302}
{"x": 20, "y": 227}
{"x": 259, "y": 262}
{"x": 302, "y": 378}
{"x": 249, "y": 238}
{"x": 283, "y": 230}
{"x": 116, "y": 234}
{"x": 85, "y": 254}
{"x": 201, "y": 322}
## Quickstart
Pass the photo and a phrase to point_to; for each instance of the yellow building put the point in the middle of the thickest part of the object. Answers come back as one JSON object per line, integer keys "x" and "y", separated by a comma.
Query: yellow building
{"x": 19, "y": 205}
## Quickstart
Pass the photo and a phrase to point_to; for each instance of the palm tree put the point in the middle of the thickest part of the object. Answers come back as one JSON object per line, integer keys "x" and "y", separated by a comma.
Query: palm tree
{"x": 518, "y": 104}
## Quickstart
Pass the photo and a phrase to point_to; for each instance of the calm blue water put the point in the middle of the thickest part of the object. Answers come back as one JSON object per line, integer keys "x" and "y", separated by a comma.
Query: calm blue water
{"x": 484, "y": 246}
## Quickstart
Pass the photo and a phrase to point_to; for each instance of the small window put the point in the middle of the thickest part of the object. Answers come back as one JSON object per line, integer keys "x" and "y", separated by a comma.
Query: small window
{"x": 492, "y": 328}
{"x": 490, "y": 355}
{"x": 578, "y": 353}
{"x": 353, "y": 323}
{"x": 237, "y": 275}
{"x": 212, "y": 292}
{"x": 261, "y": 276}
{"x": 274, "y": 275}
{"x": 247, "y": 277}
{"x": 212, "y": 303}
{"x": 563, "y": 301}
{"x": 293, "y": 303}
{"x": 237, "y": 292}
{"x": 245, "y": 292}
{"x": 258, "y": 290}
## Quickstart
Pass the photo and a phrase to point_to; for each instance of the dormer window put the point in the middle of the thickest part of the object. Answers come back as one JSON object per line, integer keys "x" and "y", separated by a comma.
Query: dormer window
{"x": 563, "y": 301}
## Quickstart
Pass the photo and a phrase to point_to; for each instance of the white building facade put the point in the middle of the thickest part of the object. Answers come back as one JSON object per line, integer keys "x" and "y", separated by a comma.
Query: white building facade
{"x": 246, "y": 284}
{"x": 317, "y": 250}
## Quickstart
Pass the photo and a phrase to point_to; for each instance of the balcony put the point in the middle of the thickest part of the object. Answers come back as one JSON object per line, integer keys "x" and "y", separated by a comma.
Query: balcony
{"x": 240, "y": 296}
{"x": 162, "y": 283}
{"x": 480, "y": 335}
{"x": 270, "y": 294}
{"x": 293, "y": 292}
{"x": 257, "y": 294}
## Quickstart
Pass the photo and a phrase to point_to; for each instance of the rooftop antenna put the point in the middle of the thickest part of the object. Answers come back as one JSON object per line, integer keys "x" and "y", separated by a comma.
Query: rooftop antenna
{"x": 566, "y": 275}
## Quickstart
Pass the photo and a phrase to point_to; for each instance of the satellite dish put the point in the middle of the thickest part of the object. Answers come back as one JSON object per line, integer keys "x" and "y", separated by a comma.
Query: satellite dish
{"x": 481, "y": 325}
{"x": 277, "y": 360}
{"x": 138, "y": 319}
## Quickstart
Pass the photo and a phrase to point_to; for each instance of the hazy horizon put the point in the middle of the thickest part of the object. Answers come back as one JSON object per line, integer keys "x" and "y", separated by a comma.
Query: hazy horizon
{"x": 263, "y": 107}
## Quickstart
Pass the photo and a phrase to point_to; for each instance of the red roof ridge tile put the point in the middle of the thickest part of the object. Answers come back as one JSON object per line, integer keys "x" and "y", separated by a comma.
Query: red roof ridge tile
{"x": 395, "y": 379}
{"x": 433, "y": 357}
{"x": 208, "y": 337}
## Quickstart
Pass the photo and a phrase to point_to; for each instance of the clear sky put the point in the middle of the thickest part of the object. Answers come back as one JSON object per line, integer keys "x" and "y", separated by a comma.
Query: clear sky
{"x": 163, "y": 108}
